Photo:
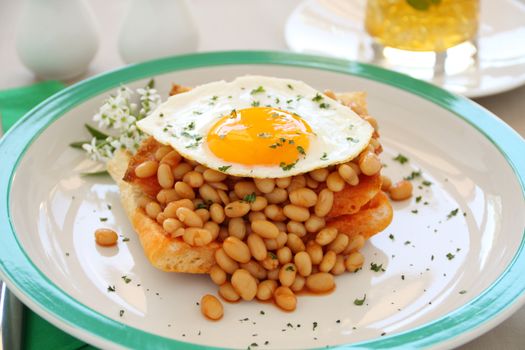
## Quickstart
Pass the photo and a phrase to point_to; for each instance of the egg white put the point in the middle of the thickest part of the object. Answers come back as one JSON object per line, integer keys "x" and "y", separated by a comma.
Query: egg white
{"x": 183, "y": 122}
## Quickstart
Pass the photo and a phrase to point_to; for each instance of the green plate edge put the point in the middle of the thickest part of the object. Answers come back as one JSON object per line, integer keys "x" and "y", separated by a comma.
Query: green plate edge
{"x": 29, "y": 283}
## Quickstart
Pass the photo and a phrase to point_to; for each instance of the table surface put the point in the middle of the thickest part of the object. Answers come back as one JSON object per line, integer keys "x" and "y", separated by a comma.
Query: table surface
{"x": 241, "y": 26}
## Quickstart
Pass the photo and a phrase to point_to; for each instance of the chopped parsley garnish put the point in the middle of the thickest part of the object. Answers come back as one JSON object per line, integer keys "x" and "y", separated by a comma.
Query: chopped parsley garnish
{"x": 324, "y": 156}
{"x": 197, "y": 112}
{"x": 262, "y": 312}
{"x": 190, "y": 126}
{"x": 103, "y": 219}
{"x": 224, "y": 168}
{"x": 111, "y": 288}
{"x": 450, "y": 256}
{"x": 414, "y": 211}
{"x": 426, "y": 183}
{"x": 317, "y": 98}
{"x": 202, "y": 206}
{"x": 290, "y": 268}
{"x": 161, "y": 115}
{"x": 301, "y": 150}
{"x": 272, "y": 255}
{"x": 125, "y": 239}
{"x": 391, "y": 236}
{"x": 351, "y": 139}
{"x": 360, "y": 302}
{"x": 289, "y": 86}
{"x": 401, "y": 158}
{"x": 126, "y": 279}
{"x": 259, "y": 90}
{"x": 376, "y": 268}
{"x": 407, "y": 242}
{"x": 264, "y": 135}
{"x": 287, "y": 167}
{"x": 214, "y": 98}
{"x": 418, "y": 199}
{"x": 256, "y": 104}
{"x": 289, "y": 101}
{"x": 314, "y": 326}
{"x": 121, "y": 313}
{"x": 413, "y": 175}
{"x": 462, "y": 291}
{"x": 452, "y": 213}
{"x": 324, "y": 105}
{"x": 277, "y": 100}
{"x": 250, "y": 198}
{"x": 109, "y": 206}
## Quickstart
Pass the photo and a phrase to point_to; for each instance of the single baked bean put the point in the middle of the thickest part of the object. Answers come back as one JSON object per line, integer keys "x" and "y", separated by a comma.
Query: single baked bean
{"x": 236, "y": 209}
{"x": 211, "y": 307}
{"x": 146, "y": 169}
{"x": 401, "y": 190}
{"x": 172, "y": 159}
{"x": 281, "y": 239}
{"x": 348, "y": 174}
{"x": 189, "y": 217}
{"x": 160, "y": 218}
{"x": 223, "y": 197}
{"x": 255, "y": 269}
{"x": 355, "y": 243}
{"x": 284, "y": 255}
{"x": 236, "y": 249}
{"x": 296, "y": 213}
{"x": 274, "y": 212}
{"x": 225, "y": 262}
{"x": 180, "y": 170}
{"x": 319, "y": 175}
{"x": 295, "y": 243}
{"x": 105, "y": 237}
{"x": 203, "y": 213}
{"x": 143, "y": 200}
{"x": 325, "y": 202}
{"x": 217, "y": 213}
{"x": 193, "y": 178}
{"x": 184, "y": 190}
{"x": 285, "y": 298}
{"x": 170, "y": 225}
{"x": 210, "y": 194}
{"x": 326, "y": 235}
{"x": 264, "y": 185}
{"x": 165, "y": 176}
{"x": 278, "y": 195}
{"x": 219, "y": 186}
{"x": 339, "y": 266}
{"x": 311, "y": 183}
{"x": 167, "y": 195}
{"x": 370, "y": 163}
{"x": 265, "y": 228}
{"x": 298, "y": 181}
{"x": 256, "y": 215}
{"x": 283, "y": 182}
{"x": 265, "y": 289}
{"x": 287, "y": 274}
{"x": 228, "y": 293}
{"x": 270, "y": 262}
{"x": 335, "y": 182}
{"x": 196, "y": 237}
{"x": 315, "y": 251}
{"x": 153, "y": 209}
{"x": 328, "y": 261}
{"x": 259, "y": 203}
{"x": 237, "y": 228}
{"x": 162, "y": 151}
{"x": 217, "y": 275}
{"x": 171, "y": 209}
{"x": 355, "y": 167}
{"x": 339, "y": 244}
{"x": 257, "y": 247}
{"x": 304, "y": 263}
{"x": 303, "y": 197}
{"x": 178, "y": 232}
{"x": 200, "y": 168}
{"x": 386, "y": 183}
{"x": 314, "y": 224}
{"x": 211, "y": 175}
{"x": 213, "y": 228}
{"x": 244, "y": 284}
{"x": 244, "y": 188}
{"x": 320, "y": 282}
{"x": 296, "y": 227}
{"x": 354, "y": 261}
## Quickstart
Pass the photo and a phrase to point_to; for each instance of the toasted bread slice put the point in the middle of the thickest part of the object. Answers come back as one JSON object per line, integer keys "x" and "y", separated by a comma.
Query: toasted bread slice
{"x": 164, "y": 252}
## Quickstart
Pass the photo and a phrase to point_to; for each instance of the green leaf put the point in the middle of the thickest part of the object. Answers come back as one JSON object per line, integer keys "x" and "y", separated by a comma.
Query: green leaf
{"x": 78, "y": 144}
{"x": 96, "y": 173}
{"x": 99, "y": 135}
{"x": 151, "y": 83}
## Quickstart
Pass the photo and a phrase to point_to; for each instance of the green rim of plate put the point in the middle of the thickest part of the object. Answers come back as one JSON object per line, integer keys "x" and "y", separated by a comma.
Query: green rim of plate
{"x": 29, "y": 283}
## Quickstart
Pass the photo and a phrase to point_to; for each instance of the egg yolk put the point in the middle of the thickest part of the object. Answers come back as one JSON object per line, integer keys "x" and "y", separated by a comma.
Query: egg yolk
{"x": 260, "y": 136}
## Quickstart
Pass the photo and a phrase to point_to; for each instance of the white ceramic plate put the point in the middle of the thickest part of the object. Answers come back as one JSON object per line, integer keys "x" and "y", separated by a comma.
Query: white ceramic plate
{"x": 447, "y": 278}
{"x": 335, "y": 28}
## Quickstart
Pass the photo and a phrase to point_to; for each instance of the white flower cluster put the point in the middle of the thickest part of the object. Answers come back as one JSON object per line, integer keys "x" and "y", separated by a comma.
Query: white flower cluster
{"x": 118, "y": 116}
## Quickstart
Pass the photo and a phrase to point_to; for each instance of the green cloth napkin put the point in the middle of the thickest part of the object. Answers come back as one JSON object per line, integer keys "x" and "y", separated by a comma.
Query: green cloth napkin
{"x": 37, "y": 334}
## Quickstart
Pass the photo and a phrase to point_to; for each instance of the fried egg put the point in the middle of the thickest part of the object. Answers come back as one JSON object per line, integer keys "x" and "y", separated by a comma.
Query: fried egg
{"x": 261, "y": 127}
